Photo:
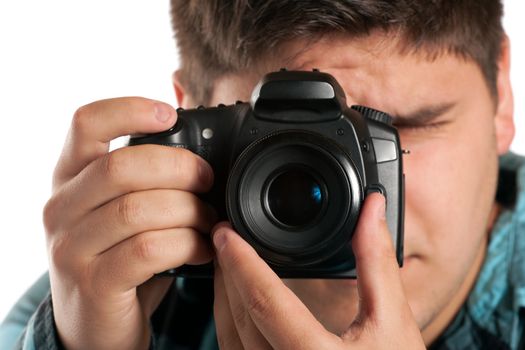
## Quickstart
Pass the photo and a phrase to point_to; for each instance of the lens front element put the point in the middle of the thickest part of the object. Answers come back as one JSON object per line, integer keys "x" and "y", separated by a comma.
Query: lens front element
{"x": 295, "y": 197}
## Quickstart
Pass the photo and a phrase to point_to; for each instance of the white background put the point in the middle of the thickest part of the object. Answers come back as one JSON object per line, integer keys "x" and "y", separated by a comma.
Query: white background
{"x": 57, "y": 55}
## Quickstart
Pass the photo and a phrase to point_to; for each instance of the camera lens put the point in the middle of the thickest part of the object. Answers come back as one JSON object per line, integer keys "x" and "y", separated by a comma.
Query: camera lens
{"x": 295, "y": 198}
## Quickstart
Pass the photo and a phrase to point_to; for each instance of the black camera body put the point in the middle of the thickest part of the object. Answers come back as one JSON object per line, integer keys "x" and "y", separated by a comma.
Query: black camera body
{"x": 292, "y": 169}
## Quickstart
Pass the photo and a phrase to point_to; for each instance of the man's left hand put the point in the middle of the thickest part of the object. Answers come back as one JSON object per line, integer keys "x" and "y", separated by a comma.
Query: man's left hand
{"x": 255, "y": 310}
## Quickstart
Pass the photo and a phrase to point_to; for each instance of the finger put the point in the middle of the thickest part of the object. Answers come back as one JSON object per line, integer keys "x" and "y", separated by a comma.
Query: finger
{"x": 127, "y": 170}
{"x": 227, "y": 335}
{"x": 378, "y": 280}
{"x": 138, "y": 212}
{"x": 279, "y": 315}
{"x": 96, "y": 124}
{"x": 135, "y": 260}
{"x": 250, "y": 336}
{"x": 137, "y": 168}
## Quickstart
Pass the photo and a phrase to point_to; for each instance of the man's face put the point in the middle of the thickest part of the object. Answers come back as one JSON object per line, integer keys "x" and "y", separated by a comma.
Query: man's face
{"x": 449, "y": 122}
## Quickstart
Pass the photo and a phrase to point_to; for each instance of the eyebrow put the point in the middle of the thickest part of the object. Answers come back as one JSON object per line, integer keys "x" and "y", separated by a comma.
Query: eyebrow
{"x": 423, "y": 115}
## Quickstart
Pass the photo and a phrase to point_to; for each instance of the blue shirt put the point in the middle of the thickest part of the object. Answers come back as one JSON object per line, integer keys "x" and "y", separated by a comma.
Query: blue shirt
{"x": 493, "y": 317}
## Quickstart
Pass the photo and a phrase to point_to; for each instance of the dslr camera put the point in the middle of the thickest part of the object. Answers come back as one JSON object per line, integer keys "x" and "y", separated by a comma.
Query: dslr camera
{"x": 292, "y": 169}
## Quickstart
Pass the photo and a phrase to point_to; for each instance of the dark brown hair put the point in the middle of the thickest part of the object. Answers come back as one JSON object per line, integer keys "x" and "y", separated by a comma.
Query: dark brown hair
{"x": 217, "y": 37}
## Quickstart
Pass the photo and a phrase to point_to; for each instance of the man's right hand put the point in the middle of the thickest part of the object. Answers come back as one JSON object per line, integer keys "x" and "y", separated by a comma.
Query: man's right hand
{"x": 117, "y": 218}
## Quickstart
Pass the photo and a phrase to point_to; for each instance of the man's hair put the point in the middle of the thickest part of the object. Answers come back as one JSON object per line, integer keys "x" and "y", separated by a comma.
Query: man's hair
{"x": 218, "y": 37}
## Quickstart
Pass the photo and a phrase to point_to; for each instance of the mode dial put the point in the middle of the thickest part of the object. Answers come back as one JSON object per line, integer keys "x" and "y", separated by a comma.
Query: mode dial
{"x": 373, "y": 114}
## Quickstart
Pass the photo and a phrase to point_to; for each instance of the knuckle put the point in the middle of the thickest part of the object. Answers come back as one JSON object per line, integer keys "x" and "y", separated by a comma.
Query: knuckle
{"x": 82, "y": 118}
{"x": 129, "y": 210}
{"x": 145, "y": 248}
{"x": 49, "y": 216}
{"x": 59, "y": 252}
{"x": 259, "y": 303}
{"x": 116, "y": 166}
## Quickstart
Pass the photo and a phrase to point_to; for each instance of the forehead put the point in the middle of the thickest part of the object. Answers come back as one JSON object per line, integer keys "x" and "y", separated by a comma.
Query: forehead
{"x": 373, "y": 70}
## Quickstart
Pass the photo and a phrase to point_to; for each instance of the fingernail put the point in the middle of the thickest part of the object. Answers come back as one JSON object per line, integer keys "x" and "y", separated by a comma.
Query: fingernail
{"x": 163, "y": 112}
{"x": 219, "y": 240}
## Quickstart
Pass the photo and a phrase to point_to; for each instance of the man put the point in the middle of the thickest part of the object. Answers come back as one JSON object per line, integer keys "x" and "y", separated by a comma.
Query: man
{"x": 115, "y": 219}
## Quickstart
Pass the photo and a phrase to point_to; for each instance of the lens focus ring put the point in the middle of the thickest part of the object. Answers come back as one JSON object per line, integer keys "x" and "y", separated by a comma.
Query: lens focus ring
{"x": 295, "y": 197}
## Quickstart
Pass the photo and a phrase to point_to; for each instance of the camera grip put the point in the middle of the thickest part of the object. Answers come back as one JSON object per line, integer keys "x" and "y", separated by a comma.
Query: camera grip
{"x": 385, "y": 140}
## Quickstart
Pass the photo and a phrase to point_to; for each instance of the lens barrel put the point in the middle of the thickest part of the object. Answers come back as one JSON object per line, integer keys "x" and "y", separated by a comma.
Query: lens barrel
{"x": 295, "y": 197}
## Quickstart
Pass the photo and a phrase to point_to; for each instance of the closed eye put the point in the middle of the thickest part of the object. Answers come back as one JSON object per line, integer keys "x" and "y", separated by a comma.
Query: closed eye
{"x": 423, "y": 127}
{"x": 425, "y": 118}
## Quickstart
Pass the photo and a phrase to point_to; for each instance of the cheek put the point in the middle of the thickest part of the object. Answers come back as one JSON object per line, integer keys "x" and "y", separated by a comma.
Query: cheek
{"x": 450, "y": 184}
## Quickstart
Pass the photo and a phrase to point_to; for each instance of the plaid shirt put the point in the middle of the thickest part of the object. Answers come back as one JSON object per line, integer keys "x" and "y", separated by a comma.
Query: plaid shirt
{"x": 493, "y": 317}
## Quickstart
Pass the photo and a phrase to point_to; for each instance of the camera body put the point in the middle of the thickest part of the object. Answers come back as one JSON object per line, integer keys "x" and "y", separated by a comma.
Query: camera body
{"x": 292, "y": 169}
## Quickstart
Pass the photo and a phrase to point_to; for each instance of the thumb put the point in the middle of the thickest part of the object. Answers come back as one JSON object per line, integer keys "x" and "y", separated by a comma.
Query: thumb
{"x": 379, "y": 284}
